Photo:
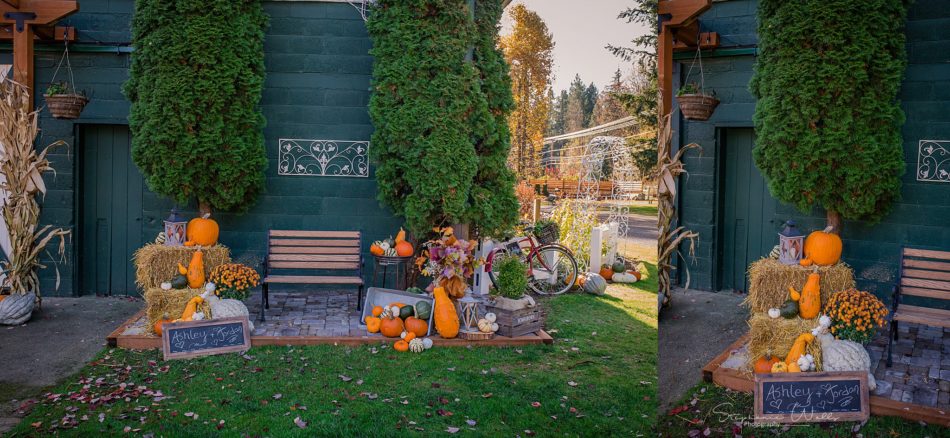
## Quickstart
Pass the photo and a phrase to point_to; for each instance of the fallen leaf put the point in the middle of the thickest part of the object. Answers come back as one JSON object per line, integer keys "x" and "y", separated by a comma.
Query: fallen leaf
{"x": 444, "y": 413}
{"x": 471, "y": 422}
{"x": 345, "y": 378}
{"x": 37, "y": 424}
{"x": 487, "y": 395}
{"x": 300, "y": 423}
{"x": 278, "y": 396}
{"x": 451, "y": 429}
{"x": 572, "y": 383}
{"x": 536, "y": 404}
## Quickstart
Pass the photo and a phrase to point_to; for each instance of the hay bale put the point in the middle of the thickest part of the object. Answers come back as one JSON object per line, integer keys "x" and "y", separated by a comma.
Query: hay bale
{"x": 155, "y": 263}
{"x": 160, "y": 302}
{"x": 769, "y": 281}
{"x": 776, "y": 336}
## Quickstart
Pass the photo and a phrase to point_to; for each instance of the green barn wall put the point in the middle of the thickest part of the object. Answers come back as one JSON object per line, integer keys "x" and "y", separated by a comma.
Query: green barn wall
{"x": 920, "y": 219}
{"x": 317, "y": 87}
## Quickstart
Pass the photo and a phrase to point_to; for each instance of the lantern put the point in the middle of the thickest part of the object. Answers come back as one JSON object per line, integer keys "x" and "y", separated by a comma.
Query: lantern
{"x": 468, "y": 308}
{"x": 790, "y": 244}
{"x": 175, "y": 229}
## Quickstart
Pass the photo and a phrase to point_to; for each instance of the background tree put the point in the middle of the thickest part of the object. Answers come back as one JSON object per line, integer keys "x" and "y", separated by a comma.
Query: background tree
{"x": 195, "y": 84}
{"x": 422, "y": 101}
{"x": 493, "y": 206}
{"x": 529, "y": 53}
{"x": 836, "y": 141}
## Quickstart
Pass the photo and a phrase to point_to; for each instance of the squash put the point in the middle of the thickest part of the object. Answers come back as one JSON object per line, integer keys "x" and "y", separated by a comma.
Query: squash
{"x": 376, "y": 249}
{"x": 491, "y": 317}
{"x": 764, "y": 364}
{"x": 606, "y": 272}
{"x": 794, "y": 368}
{"x": 417, "y": 326}
{"x": 179, "y": 282}
{"x": 823, "y": 248}
{"x": 377, "y": 310}
{"x": 182, "y": 269}
{"x": 190, "y": 308}
{"x": 618, "y": 266}
{"x": 595, "y": 284}
{"x": 809, "y": 299}
{"x": 427, "y": 343}
{"x": 423, "y": 310}
{"x": 486, "y": 326}
{"x": 372, "y": 323}
{"x": 400, "y": 236}
{"x": 157, "y": 327}
{"x": 417, "y": 345}
{"x": 196, "y": 270}
{"x": 406, "y": 312}
{"x": 779, "y": 367}
{"x": 415, "y": 290}
{"x": 391, "y": 327}
{"x": 227, "y": 308}
{"x": 789, "y": 310}
{"x": 407, "y": 336}
{"x": 164, "y": 286}
{"x": 404, "y": 249}
{"x": 446, "y": 318}
{"x": 844, "y": 355}
{"x": 775, "y": 312}
{"x": 203, "y": 231}
{"x": 401, "y": 345}
{"x": 798, "y": 348}
{"x": 625, "y": 277}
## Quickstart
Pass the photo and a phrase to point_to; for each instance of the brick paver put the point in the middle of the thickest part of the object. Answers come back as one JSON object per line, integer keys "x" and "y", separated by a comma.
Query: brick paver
{"x": 318, "y": 313}
{"x": 921, "y": 370}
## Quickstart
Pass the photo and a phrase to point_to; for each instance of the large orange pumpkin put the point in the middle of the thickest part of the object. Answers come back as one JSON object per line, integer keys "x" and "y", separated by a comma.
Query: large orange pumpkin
{"x": 606, "y": 272}
{"x": 404, "y": 249}
{"x": 203, "y": 231}
{"x": 158, "y": 324}
{"x": 391, "y": 327}
{"x": 822, "y": 248}
{"x": 764, "y": 364}
{"x": 416, "y": 326}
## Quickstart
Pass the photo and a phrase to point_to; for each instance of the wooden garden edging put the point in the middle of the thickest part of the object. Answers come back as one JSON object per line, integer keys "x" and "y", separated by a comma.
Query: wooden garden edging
{"x": 738, "y": 381}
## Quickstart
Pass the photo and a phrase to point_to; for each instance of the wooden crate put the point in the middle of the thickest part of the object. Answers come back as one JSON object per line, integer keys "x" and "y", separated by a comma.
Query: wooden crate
{"x": 514, "y": 323}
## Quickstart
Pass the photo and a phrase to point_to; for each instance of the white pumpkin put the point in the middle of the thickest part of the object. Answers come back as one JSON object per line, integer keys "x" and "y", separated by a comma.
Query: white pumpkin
{"x": 494, "y": 327}
{"x": 16, "y": 309}
{"x": 416, "y": 345}
{"x": 490, "y": 317}
{"x": 427, "y": 343}
{"x": 228, "y": 309}
{"x": 775, "y": 313}
{"x": 844, "y": 355}
{"x": 166, "y": 286}
{"x": 624, "y": 277}
{"x": 484, "y": 325}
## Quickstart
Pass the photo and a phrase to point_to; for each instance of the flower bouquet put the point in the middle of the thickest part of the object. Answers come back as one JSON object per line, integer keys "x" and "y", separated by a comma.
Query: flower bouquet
{"x": 855, "y": 315}
{"x": 450, "y": 261}
{"x": 233, "y": 280}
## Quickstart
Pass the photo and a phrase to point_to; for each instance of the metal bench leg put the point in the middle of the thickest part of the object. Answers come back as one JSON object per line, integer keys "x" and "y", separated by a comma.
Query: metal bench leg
{"x": 266, "y": 298}
{"x": 890, "y": 344}
{"x": 263, "y": 300}
{"x": 359, "y": 300}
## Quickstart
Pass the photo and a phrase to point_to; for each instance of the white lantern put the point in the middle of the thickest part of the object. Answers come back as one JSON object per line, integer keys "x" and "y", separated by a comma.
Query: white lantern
{"x": 791, "y": 243}
{"x": 175, "y": 227}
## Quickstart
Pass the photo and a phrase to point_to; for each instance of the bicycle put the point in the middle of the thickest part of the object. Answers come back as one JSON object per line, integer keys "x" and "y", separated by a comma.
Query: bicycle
{"x": 552, "y": 268}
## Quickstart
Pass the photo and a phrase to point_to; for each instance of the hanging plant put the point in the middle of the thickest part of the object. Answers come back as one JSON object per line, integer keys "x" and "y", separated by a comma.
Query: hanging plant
{"x": 695, "y": 104}
{"x": 62, "y": 99}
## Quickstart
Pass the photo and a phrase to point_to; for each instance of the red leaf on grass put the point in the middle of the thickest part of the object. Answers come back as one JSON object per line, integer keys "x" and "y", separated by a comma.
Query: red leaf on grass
{"x": 677, "y": 410}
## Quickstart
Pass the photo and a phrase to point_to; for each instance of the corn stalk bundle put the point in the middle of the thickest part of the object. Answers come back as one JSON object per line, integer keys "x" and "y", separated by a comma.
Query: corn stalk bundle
{"x": 670, "y": 236}
{"x": 21, "y": 169}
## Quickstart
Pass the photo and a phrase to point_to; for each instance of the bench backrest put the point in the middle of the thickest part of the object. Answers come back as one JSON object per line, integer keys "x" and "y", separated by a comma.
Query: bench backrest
{"x": 925, "y": 273}
{"x": 314, "y": 250}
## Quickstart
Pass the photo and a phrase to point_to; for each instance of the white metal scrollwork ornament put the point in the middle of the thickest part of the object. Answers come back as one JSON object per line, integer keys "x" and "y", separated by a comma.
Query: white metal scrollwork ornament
{"x": 933, "y": 161}
{"x": 323, "y": 158}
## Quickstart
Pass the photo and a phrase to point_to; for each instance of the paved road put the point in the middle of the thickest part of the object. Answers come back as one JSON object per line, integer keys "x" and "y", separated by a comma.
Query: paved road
{"x": 640, "y": 229}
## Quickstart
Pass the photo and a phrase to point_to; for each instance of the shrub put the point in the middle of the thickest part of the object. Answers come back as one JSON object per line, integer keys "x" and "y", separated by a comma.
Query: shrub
{"x": 512, "y": 277}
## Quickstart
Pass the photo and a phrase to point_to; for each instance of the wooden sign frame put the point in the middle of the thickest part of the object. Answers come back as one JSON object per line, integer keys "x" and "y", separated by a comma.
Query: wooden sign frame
{"x": 860, "y": 376}
{"x": 169, "y": 327}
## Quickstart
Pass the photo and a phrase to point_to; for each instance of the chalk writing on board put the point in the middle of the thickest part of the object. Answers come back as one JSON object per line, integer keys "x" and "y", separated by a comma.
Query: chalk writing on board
{"x": 206, "y": 337}
{"x": 790, "y": 397}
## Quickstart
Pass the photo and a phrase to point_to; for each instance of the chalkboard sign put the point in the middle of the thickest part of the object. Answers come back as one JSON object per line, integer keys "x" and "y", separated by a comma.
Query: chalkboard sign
{"x": 182, "y": 340}
{"x": 811, "y": 397}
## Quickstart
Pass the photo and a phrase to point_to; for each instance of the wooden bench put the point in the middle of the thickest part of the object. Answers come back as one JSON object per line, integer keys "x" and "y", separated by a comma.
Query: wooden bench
{"x": 312, "y": 257}
{"x": 926, "y": 274}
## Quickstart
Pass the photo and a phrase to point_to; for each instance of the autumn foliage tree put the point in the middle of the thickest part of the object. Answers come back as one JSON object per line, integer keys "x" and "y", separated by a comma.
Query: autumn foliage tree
{"x": 828, "y": 122}
{"x": 529, "y": 52}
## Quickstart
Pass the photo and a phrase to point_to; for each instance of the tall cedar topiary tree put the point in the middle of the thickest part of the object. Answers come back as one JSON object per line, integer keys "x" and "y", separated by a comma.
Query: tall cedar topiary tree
{"x": 423, "y": 98}
{"x": 827, "y": 120}
{"x": 195, "y": 83}
{"x": 493, "y": 207}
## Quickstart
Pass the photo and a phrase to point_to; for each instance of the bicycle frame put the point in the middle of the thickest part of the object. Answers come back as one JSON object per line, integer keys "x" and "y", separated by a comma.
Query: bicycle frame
{"x": 516, "y": 243}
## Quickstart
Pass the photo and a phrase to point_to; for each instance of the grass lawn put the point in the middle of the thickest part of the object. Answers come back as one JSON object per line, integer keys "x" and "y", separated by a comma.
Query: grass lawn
{"x": 598, "y": 378}
{"x": 718, "y": 410}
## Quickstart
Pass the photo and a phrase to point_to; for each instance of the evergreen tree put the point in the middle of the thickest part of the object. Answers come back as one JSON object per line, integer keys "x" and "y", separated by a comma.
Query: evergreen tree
{"x": 195, "y": 84}
{"x": 575, "y": 116}
{"x": 590, "y": 101}
{"x": 827, "y": 121}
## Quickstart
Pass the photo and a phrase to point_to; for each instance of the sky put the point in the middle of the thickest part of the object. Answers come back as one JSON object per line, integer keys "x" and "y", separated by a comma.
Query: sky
{"x": 581, "y": 30}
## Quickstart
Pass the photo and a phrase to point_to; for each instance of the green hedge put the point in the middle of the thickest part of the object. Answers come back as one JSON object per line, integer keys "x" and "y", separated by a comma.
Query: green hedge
{"x": 828, "y": 121}
{"x": 195, "y": 84}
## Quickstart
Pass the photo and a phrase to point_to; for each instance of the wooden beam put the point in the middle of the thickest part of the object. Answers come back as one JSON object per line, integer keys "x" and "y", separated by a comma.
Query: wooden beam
{"x": 682, "y": 12}
{"x": 14, "y": 3}
{"x": 665, "y": 71}
{"x": 43, "y": 33}
{"x": 47, "y": 11}
{"x": 707, "y": 41}
{"x": 23, "y": 59}
{"x": 673, "y": 14}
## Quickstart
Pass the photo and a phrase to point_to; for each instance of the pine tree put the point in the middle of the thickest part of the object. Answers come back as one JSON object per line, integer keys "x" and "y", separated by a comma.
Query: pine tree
{"x": 834, "y": 139}
{"x": 203, "y": 139}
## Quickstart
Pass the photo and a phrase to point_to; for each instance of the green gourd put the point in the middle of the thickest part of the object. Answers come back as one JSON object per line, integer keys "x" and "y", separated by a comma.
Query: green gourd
{"x": 405, "y": 312}
{"x": 789, "y": 310}
{"x": 595, "y": 284}
{"x": 179, "y": 281}
{"x": 423, "y": 310}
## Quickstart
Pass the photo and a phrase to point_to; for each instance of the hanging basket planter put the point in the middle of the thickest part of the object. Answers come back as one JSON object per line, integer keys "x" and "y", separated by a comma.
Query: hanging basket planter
{"x": 697, "y": 106}
{"x": 66, "y": 106}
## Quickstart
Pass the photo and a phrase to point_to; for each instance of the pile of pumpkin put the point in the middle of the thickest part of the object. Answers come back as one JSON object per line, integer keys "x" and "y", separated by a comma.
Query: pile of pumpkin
{"x": 619, "y": 272}
{"x": 398, "y": 247}
{"x": 403, "y": 321}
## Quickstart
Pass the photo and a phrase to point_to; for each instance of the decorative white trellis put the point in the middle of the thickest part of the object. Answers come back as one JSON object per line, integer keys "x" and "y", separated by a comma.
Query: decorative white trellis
{"x": 362, "y": 6}
{"x": 323, "y": 158}
{"x": 933, "y": 161}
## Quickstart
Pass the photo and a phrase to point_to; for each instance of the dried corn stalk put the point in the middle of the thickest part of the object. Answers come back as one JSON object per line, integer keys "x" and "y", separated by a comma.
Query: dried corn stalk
{"x": 670, "y": 237}
{"x": 21, "y": 169}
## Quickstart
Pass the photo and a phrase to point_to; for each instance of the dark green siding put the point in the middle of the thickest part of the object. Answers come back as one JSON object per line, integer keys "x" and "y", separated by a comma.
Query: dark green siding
{"x": 919, "y": 220}
{"x": 317, "y": 87}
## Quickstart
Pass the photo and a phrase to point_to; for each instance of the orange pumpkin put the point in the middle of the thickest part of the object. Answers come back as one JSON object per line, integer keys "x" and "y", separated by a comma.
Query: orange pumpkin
{"x": 203, "y": 231}
{"x": 404, "y": 249}
{"x": 376, "y": 250}
{"x": 401, "y": 345}
{"x": 408, "y": 336}
{"x": 606, "y": 272}
{"x": 764, "y": 364}
{"x": 158, "y": 324}
{"x": 823, "y": 248}
{"x": 377, "y": 310}
{"x": 416, "y": 326}
{"x": 372, "y": 324}
{"x": 391, "y": 327}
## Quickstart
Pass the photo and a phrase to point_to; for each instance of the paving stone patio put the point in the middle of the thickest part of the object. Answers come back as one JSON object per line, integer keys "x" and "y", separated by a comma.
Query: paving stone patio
{"x": 318, "y": 313}
{"x": 920, "y": 373}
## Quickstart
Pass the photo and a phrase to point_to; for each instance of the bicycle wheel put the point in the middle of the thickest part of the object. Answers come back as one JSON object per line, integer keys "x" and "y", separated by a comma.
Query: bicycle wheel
{"x": 553, "y": 270}
{"x": 495, "y": 255}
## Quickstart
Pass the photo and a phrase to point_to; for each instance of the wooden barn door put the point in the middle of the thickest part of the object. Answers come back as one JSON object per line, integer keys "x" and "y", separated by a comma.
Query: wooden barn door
{"x": 110, "y": 228}
{"x": 748, "y": 228}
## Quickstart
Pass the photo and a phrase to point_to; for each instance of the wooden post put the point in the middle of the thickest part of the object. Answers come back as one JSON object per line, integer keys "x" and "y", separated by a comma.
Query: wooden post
{"x": 482, "y": 282}
{"x": 596, "y": 245}
{"x": 23, "y": 58}
{"x": 536, "y": 210}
